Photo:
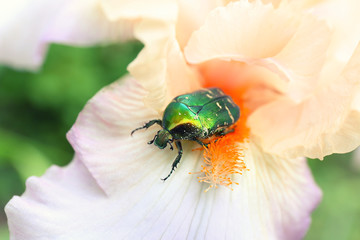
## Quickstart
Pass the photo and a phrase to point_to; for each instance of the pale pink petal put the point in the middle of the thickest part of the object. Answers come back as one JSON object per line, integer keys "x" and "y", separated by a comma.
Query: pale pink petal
{"x": 105, "y": 128}
{"x": 29, "y": 26}
{"x": 56, "y": 205}
{"x": 324, "y": 123}
{"x": 161, "y": 67}
{"x": 272, "y": 201}
{"x": 286, "y": 42}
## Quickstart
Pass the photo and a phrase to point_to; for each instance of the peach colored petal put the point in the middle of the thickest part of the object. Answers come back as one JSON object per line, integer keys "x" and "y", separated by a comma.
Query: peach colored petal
{"x": 304, "y": 56}
{"x": 322, "y": 124}
{"x": 342, "y": 17}
{"x": 192, "y": 15}
{"x": 286, "y": 42}
{"x": 242, "y": 30}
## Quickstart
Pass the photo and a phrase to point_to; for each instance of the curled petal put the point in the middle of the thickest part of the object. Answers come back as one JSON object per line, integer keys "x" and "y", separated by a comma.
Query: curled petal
{"x": 241, "y": 30}
{"x": 192, "y": 15}
{"x": 29, "y": 26}
{"x": 341, "y": 17}
{"x": 286, "y": 42}
{"x": 325, "y": 123}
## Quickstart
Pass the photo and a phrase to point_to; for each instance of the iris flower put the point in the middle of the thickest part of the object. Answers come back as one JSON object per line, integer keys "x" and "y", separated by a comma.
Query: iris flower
{"x": 280, "y": 63}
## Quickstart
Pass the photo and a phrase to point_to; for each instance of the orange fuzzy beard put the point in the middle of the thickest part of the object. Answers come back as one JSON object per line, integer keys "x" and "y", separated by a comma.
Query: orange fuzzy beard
{"x": 224, "y": 156}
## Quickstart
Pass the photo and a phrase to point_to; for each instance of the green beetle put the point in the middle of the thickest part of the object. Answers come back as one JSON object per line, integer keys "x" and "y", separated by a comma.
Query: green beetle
{"x": 196, "y": 117}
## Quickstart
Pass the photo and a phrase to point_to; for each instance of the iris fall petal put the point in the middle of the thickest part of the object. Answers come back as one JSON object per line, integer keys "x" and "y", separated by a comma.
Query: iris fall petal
{"x": 124, "y": 197}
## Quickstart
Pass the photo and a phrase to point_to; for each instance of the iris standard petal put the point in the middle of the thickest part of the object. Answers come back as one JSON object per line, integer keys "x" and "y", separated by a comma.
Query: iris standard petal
{"x": 325, "y": 123}
{"x": 289, "y": 43}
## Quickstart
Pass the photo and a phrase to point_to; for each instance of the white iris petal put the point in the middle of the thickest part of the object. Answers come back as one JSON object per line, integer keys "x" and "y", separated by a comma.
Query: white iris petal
{"x": 273, "y": 200}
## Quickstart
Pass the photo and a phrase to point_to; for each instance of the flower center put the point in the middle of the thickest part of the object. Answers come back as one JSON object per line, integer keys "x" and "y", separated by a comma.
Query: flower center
{"x": 224, "y": 156}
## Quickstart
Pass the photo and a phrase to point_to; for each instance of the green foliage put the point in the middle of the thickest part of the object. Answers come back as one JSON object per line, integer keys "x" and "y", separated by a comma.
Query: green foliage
{"x": 338, "y": 215}
{"x": 4, "y": 234}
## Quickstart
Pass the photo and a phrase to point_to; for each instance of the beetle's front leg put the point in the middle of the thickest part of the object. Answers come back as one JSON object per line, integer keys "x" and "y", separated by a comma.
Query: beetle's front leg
{"x": 177, "y": 159}
{"x": 153, "y": 140}
{"x": 147, "y": 125}
{"x": 169, "y": 142}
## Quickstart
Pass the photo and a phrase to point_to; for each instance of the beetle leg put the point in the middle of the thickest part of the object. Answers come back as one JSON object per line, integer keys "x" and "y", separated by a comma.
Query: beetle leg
{"x": 147, "y": 125}
{"x": 177, "y": 159}
{"x": 169, "y": 142}
{"x": 151, "y": 142}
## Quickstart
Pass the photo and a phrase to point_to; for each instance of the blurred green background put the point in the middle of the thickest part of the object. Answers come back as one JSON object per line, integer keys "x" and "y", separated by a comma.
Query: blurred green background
{"x": 37, "y": 109}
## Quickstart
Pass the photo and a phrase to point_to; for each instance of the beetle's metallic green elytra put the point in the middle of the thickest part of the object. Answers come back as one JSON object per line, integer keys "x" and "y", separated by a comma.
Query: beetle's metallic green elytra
{"x": 196, "y": 117}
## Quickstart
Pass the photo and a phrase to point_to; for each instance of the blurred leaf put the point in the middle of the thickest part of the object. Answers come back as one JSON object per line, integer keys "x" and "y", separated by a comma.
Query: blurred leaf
{"x": 338, "y": 215}
{"x": 69, "y": 77}
{"x": 24, "y": 156}
{"x": 10, "y": 184}
{"x": 4, "y": 233}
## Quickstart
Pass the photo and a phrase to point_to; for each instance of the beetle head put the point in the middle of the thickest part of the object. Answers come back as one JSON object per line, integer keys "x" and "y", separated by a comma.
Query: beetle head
{"x": 162, "y": 138}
